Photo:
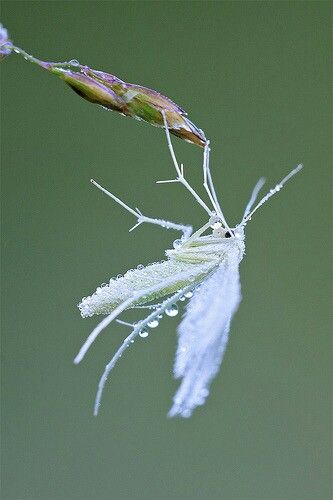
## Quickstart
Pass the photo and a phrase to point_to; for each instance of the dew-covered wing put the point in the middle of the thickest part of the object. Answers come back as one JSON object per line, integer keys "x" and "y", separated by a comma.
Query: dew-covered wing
{"x": 110, "y": 295}
{"x": 203, "y": 336}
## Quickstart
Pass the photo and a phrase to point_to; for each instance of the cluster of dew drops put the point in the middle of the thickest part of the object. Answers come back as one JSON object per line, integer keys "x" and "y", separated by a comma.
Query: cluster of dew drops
{"x": 170, "y": 311}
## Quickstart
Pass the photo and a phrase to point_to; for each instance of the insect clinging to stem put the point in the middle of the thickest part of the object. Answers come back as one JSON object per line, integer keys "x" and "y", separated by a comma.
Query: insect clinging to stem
{"x": 203, "y": 268}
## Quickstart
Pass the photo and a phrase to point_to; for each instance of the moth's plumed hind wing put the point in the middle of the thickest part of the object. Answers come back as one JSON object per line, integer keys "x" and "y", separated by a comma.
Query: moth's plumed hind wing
{"x": 203, "y": 336}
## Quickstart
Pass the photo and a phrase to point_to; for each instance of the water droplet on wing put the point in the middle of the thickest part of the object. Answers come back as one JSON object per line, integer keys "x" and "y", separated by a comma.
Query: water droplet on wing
{"x": 143, "y": 333}
{"x": 172, "y": 310}
{"x": 153, "y": 323}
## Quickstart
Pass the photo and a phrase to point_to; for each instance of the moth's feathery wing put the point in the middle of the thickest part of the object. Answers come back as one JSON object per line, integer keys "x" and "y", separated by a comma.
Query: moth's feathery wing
{"x": 203, "y": 336}
{"x": 106, "y": 298}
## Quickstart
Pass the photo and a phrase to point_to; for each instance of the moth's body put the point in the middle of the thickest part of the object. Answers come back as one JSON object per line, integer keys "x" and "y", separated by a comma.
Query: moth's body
{"x": 210, "y": 248}
{"x": 198, "y": 257}
{"x": 209, "y": 260}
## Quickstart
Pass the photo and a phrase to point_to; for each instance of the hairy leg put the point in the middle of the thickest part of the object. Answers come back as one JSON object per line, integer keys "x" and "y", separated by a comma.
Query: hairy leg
{"x": 180, "y": 171}
{"x": 185, "y": 229}
{"x": 135, "y": 297}
{"x": 128, "y": 340}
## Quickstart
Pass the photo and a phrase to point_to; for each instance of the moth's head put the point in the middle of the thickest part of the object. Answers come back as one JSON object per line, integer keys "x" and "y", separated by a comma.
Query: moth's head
{"x": 218, "y": 223}
{"x": 227, "y": 233}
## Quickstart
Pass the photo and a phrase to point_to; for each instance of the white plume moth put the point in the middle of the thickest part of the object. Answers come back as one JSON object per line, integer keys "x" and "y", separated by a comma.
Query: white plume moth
{"x": 203, "y": 268}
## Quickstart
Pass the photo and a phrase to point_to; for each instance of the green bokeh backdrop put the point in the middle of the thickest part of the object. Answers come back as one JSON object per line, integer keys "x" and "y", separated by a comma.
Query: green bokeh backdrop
{"x": 256, "y": 77}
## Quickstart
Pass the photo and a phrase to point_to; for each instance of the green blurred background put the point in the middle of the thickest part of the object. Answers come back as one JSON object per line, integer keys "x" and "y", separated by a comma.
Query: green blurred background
{"x": 256, "y": 77}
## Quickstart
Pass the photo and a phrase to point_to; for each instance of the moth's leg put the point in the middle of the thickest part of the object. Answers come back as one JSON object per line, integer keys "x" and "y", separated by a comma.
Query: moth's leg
{"x": 200, "y": 231}
{"x": 180, "y": 170}
{"x": 185, "y": 229}
{"x": 206, "y": 177}
{"x": 101, "y": 326}
{"x": 130, "y": 301}
{"x": 147, "y": 306}
{"x": 135, "y": 332}
{"x": 209, "y": 185}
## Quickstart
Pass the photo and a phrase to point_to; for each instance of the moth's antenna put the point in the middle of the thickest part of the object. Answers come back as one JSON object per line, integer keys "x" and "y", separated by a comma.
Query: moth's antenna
{"x": 254, "y": 195}
{"x": 271, "y": 192}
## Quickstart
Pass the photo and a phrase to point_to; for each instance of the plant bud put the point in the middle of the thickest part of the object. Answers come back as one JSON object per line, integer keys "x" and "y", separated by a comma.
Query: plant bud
{"x": 128, "y": 99}
{"x": 112, "y": 93}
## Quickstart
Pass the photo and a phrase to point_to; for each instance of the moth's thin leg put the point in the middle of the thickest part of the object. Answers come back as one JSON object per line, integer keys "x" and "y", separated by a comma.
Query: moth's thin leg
{"x": 148, "y": 306}
{"x": 135, "y": 297}
{"x": 254, "y": 196}
{"x": 101, "y": 326}
{"x": 200, "y": 231}
{"x": 125, "y": 323}
{"x": 179, "y": 169}
{"x": 209, "y": 185}
{"x": 185, "y": 229}
{"x": 127, "y": 342}
{"x": 272, "y": 192}
{"x": 205, "y": 177}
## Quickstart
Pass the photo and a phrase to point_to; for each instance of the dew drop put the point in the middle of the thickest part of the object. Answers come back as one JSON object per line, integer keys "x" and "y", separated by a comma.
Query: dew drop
{"x": 74, "y": 62}
{"x": 188, "y": 294}
{"x": 177, "y": 243}
{"x": 140, "y": 266}
{"x": 160, "y": 316}
{"x": 182, "y": 298}
{"x": 143, "y": 333}
{"x": 172, "y": 311}
{"x": 153, "y": 323}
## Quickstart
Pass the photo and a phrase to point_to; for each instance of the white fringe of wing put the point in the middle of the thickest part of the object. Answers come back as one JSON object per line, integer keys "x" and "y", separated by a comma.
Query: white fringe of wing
{"x": 203, "y": 336}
